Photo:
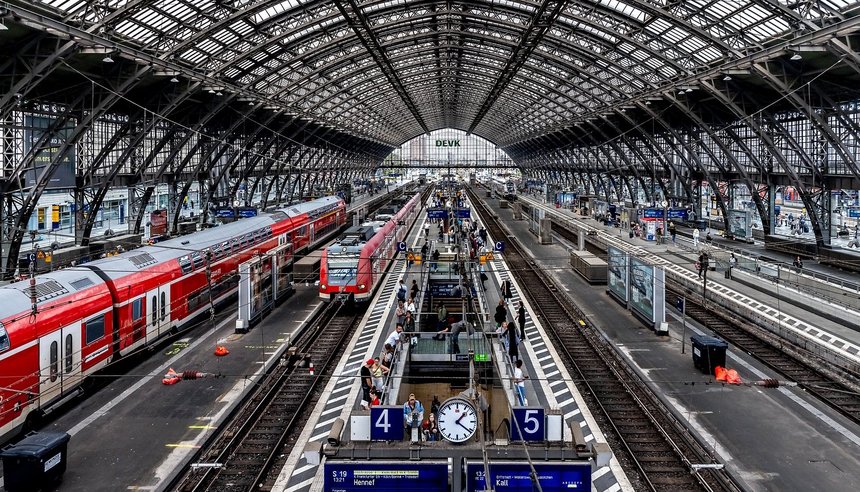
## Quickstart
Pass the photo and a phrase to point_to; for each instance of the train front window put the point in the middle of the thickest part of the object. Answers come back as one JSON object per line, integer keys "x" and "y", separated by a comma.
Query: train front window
{"x": 342, "y": 270}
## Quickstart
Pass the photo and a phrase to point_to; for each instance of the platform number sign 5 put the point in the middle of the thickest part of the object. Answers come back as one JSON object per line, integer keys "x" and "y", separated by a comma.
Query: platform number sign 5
{"x": 527, "y": 424}
{"x": 386, "y": 424}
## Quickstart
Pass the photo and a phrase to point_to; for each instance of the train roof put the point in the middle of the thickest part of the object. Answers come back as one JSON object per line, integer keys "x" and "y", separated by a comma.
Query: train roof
{"x": 15, "y": 297}
{"x": 352, "y": 239}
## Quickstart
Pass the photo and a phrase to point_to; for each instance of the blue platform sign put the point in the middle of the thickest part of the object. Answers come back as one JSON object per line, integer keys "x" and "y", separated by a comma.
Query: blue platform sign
{"x": 225, "y": 213}
{"x": 437, "y": 213}
{"x": 378, "y": 476}
{"x": 246, "y": 212}
{"x": 509, "y": 476}
{"x": 401, "y": 246}
{"x": 386, "y": 423}
{"x": 464, "y": 213}
{"x": 500, "y": 246}
{"x": 527, "y": 424}
{"x": 652, "y": 213}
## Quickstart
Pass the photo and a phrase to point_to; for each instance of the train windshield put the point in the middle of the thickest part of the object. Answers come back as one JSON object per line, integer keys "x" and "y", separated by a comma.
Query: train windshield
{"x": 342, "y": 269}
{"x": 4, "y": 339}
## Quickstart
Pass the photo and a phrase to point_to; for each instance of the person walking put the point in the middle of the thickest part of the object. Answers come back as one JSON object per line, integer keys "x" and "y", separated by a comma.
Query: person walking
{"x": 521, "y": 320}
{"x": 501, "y": 314}
{"x": 520, "y": 383}
{"x": 798, "y": 264}
{"x": 401, "y": 291}
{"x": 366, "y": 381}
{"x": 672, "y": 231}
{"x": 506, "y": 291}
{"x": 696, "y": 237}
{"x": 510, "y": 331}
{"x": 732, "y": 262}
{"x": 426, "y": 229}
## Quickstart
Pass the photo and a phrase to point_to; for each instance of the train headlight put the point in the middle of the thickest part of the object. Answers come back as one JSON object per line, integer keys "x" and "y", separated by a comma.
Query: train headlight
{"x": 322, "y": 286}
{"x": 362, "y": 286}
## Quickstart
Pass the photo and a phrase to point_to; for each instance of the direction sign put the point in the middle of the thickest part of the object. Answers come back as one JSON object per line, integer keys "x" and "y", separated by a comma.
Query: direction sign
{"x": 386, "y": 423}
{"x": 500, "y": 246}
{"x": 31, "y": 256}
{"x": 401, "y": 246}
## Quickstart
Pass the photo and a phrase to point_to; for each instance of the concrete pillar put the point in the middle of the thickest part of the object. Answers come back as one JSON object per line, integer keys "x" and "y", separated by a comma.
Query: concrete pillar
{"x": 545, "y": 231}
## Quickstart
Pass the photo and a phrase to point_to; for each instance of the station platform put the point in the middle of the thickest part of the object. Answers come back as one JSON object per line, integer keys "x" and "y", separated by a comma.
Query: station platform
{"x": 829, "y": 329}
{"x": 135, "y": 433}
{"x": 769, "y": 439}
{"x": 549, "y": 385}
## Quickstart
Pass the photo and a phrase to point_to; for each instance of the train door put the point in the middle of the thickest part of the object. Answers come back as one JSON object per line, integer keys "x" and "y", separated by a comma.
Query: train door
{"x": 311, "y": 233}
{"x": 59, "y": 362}
{"x": 157, "y": 312}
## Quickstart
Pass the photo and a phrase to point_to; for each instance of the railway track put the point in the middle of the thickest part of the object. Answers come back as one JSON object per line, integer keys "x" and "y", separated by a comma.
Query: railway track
{"x": 654, "y": 448}
{"x": 794, "y": 363}
{"x": 250, "y": 451}
{"x": 814, "y": 374}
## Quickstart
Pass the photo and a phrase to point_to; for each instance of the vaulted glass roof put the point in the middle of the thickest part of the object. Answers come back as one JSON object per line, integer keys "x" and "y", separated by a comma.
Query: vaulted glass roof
{"x": 506, "y": 70}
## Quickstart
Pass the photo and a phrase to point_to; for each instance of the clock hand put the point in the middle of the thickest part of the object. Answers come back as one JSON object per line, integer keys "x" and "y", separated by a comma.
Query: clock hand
{"x": 463, "y": 426}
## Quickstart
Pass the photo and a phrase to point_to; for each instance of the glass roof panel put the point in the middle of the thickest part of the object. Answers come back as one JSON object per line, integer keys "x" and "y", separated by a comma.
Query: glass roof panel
{"x": 625, "y": 9}
{"x": 274, "y": 10}
{"x": 64, "y": 5}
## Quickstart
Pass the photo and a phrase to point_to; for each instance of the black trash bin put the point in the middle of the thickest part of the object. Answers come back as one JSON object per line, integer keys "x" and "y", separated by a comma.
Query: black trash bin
{"x": 708, "y": 353}
{"x": 36, "y": 462}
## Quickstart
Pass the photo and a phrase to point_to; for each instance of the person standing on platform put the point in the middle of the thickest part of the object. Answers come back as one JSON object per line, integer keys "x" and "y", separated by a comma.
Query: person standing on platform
{"x": 400, "y": 313}
{"x": 510, "y": 331}
{"x": 366, "y": 381}
{"x": 401, "y": 292}
{"x": 501, "y": 313}
{"x": 435, "y": 264}
{"x": 377, "y": 373}
{"x": 521, "y": 320}
{"x": 506, "y": 291}
{"x": 442, "y": 315}
{"x": 798, "y": 264}
{"x": 394, "y": 337}
{"x": 424, "y": 248}
{"x": 427, "y": 229}
{"x": 732, "y": 262}
{"x": 696, "y": 237}
{"x": 672, "y": 231}
{"x": 413, "y": 412}
{"x": 520, "y": 383}
{"x": 414, "y": 289}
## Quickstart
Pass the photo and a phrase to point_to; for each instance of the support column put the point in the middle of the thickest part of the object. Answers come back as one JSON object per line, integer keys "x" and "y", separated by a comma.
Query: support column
{"x": 771, "y": 209}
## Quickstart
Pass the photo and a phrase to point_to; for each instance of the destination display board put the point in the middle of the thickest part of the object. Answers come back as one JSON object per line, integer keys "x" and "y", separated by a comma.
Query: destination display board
{"x": 378, "y": 476}
{"x": 437, "y": 213}
{"x": 509, "y": 476}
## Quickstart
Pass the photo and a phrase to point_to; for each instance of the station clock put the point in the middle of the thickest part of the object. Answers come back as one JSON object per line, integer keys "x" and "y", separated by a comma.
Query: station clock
{"x": 457, "y": 420}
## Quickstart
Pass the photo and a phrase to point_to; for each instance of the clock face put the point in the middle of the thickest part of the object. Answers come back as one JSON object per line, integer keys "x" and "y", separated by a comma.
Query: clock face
{"x": 457, "y": 420}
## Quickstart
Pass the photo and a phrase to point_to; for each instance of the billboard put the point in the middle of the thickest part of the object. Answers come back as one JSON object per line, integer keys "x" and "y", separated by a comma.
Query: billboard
{"x": 617, "y": 262}
{"x": 642, "y": 288}
{"x": 283, "y": 259}
{"x": 740, "y": 224}
{"x": 255, "y": 287}
{"x": 378, "y": 476}
{"x": 513, "y": 476}
{"x": 158, "y": 223}
{"x": 35, "y": 128}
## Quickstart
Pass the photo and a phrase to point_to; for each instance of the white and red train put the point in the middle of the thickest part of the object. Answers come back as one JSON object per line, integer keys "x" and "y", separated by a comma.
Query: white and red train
{"x": 352, "y": 267}
{"x": 88, "y": 316}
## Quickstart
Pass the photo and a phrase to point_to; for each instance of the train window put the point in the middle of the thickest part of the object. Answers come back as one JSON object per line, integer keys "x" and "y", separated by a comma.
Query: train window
{"x": 95, "y": 329}
{"x": 54, "y": 366}
{"x": 136, "y": 309}
{"x": 4, "y": 339}
{"x": 68, "y": 355}
{"x": 185, "y": 264}
{"x": 197, "y": 259}
{"x": 163, "y": 305}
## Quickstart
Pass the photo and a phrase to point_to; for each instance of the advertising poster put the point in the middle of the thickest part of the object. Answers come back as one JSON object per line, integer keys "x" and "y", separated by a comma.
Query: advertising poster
{"x": 740, "y": 224}
{"x": 617, "y": 264}
{"x": 642, "y": 288}
{"x": 35, "y": 128}
{"x": 158, "y": 223}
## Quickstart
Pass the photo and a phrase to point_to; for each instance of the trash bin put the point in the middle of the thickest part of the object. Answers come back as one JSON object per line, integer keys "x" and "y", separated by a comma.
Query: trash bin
{"x": 708, "y": 353}
{"x": 36, "y": 462}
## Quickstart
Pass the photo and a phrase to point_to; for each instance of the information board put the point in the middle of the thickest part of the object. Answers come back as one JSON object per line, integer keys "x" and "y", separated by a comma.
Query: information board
{"x": 377, "y": 476}
{"x": 437, "y": 213}
{"x": 678, "y": 213}
{"x": 508, "y": 476}
{"x": 38, "y": 134}
{"x": 464, "y": 213}
{"x": 652, "y": 213}
{"x": 617, "y": 284}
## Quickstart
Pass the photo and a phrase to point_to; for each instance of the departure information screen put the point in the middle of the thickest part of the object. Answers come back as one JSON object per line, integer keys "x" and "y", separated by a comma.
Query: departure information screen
{"x": 517, "y": 477}
{"x": 379, "y": 476}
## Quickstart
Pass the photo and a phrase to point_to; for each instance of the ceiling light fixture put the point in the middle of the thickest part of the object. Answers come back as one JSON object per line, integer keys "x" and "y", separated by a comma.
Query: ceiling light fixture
{"x": 174, "y": 80}
{"x": 727, "y": 78}
{"x": 107, "y": 59}
{"x": 218, "y": 93}
{"x": 796, "y": 57}
{"x": 3, "y": 25}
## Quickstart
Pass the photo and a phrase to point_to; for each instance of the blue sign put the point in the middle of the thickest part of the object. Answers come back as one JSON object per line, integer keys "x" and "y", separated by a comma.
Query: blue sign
{"x": 500, "y": 246}
{"x": 437, "y": 213}
{"x": 516, "y": 476}
{"x": 464, "y": 213}
{"x": 379, "y": 476}
{"x": 853, "y": 212}
{"x": 401, "y": 246}
{"x": 678, "y": 213}
{"x": 652, "y": 213}
{"x": 527, "y": 424}
{"x": 225, "y": 213}
{"x": 386, "y": 423}
{"x": 679, "y": 304}
{"x": 246, "y": 212}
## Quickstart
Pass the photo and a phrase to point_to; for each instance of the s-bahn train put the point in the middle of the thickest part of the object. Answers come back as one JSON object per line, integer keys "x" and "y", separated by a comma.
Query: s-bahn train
{"x": 74, "y": 322}
{"x": 504, "y": 188}
{"x": 352, "y": 267}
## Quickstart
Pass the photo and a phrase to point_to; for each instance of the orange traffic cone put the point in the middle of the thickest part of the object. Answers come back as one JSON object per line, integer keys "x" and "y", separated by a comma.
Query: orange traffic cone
{"x": 221, "y": 351}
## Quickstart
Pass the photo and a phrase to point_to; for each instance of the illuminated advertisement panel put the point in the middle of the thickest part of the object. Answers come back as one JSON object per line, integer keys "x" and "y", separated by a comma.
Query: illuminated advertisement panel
{"x": 642, "y": 288}
{"x": 617, "y": 264}
{"x": 740, "y": 224}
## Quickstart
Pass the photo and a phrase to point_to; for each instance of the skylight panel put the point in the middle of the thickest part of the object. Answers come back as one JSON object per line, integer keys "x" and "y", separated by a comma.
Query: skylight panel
{"x": 274, "y": 10}
{"x": 625, "y": 9}
{"x": 64, "y": 5}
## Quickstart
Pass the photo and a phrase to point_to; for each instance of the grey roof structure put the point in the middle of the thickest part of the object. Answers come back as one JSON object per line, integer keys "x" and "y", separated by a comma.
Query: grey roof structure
{"x": 615, "y": 96}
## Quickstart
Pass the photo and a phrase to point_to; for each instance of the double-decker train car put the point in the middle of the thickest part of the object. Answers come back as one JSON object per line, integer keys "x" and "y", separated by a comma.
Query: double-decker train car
{"x": 354, "y": 266}
{"x": 504, "y": 188}
{"x": 65, "y": 325}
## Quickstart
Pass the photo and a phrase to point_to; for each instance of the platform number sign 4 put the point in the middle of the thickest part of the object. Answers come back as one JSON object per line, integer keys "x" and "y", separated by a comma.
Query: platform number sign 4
{"x": 386, "y": 423}
{"x": 527, "y": 424}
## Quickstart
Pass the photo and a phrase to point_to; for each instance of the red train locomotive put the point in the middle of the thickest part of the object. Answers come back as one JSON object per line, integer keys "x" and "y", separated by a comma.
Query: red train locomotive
{"x": 78, "y": 320}
{"x": 351, "y": 268}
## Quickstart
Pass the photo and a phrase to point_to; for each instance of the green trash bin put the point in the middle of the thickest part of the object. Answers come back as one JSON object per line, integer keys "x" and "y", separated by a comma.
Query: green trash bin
{"x": 36, "y": 462}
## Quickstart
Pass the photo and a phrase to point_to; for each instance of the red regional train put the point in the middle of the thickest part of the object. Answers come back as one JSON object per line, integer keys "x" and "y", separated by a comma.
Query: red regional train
{"x": 88, "y": 316}
{"x": 352, "y": 267}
